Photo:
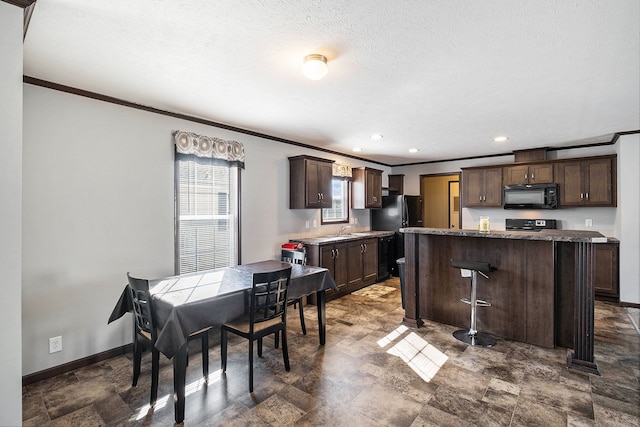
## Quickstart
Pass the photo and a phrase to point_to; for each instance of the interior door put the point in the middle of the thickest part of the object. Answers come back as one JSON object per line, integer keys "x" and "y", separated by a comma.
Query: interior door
{"x": 435, "y": 193}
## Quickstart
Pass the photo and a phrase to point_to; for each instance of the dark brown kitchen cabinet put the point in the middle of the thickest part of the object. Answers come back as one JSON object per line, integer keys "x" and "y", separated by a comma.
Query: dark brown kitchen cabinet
{"x": 587, "y": 182}
{"x": 539, "y": 173}
{"x": 482, "y": 187}
{"x": 309, "y": 182}
{"x": 607, "y": 282}
{"x": 334, "y": 257}
{"x": 353, "y": 264}
{"x": 362, "y": 263}
{"x": 366, "y": 188}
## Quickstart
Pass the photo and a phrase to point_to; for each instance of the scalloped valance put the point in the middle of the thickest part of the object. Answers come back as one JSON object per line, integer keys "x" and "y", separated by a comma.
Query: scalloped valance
{"x": 342, "y": 171}
{"x": 193, "y": 144}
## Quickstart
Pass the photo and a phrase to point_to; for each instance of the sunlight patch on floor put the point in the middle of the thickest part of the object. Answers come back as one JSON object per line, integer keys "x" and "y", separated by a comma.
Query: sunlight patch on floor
{"x": 418, "y": 354}
{"x": 191, "y": 388}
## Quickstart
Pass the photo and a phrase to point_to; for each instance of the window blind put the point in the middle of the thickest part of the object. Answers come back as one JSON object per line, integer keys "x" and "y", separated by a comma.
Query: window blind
{"x": 207, "y": 214}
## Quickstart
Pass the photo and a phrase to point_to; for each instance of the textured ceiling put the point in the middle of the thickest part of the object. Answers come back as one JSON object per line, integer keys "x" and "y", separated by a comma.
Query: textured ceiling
{"x": 445, "y": 77}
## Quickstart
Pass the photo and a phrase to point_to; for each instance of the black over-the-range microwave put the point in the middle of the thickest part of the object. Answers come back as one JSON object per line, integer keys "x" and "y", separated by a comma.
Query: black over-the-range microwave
{"x": 531, "y": 196}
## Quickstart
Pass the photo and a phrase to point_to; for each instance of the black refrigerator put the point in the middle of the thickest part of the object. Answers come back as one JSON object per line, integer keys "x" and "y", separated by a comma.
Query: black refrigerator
{"x": 397, "y": 212}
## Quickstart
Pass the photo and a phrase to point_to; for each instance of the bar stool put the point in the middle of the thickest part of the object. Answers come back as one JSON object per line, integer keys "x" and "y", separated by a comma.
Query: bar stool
{"x": 471, "y": 269}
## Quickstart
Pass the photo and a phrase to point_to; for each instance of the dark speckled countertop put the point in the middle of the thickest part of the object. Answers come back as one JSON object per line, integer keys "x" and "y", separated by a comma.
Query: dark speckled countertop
{"x": 323, "y": 240}
{"x": 549, "y": 235}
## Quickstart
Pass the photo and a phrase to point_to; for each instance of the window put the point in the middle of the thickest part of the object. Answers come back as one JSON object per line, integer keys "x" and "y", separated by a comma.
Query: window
{"x": 207, "y": 193}
{"x": 339, "y": 211}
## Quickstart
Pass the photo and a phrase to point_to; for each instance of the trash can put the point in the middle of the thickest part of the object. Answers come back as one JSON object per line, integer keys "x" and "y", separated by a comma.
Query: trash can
{"x": 400, "y": 262}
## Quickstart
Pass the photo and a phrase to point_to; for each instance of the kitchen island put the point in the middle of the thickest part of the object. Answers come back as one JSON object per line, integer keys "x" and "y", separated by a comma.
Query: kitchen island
{"x": 542, "y": 292}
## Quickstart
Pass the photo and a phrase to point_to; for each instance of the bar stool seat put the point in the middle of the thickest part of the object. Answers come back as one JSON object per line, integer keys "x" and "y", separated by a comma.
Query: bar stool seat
{"x": 471, "y": 269}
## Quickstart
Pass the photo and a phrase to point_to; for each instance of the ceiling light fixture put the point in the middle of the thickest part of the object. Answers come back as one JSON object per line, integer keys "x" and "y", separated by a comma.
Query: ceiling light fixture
{"x": 315, "y": 66}
{"x": 357, "y": 149}
{"x": 500, "y": 139}
{"x": 413, "y": 150}
{"x": 376, "y": 137}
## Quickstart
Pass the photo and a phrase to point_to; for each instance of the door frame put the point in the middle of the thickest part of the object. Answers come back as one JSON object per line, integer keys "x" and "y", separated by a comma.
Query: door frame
{"x": 435, "y": 175}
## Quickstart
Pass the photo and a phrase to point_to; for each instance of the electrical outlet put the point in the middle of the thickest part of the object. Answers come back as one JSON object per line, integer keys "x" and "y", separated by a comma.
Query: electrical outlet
{"x": 315, "y": 223}
{"x": 588, "y": 222}
{"x": 55, "y": 344}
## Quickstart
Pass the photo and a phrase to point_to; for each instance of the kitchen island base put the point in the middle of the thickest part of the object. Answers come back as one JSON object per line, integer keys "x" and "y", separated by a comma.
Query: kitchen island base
{"x": 529, "y": 303}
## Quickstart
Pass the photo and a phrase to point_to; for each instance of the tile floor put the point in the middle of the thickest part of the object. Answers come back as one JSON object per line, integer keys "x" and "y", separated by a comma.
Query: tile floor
{"x": 372, "y": 372}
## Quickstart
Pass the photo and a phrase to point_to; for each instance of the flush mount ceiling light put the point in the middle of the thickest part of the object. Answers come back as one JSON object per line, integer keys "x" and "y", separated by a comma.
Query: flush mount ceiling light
{"x": 500, "y": 138}
{"x": 376, "y": 137}
{"x": 357, "y": 149}
{"x": 413, "y": 150}
{"x": 315, "y": 66}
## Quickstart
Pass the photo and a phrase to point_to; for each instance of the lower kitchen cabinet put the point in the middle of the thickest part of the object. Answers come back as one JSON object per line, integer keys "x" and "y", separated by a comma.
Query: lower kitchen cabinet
{"x": 607, "y": 283}
{"x": 353, "y": 264}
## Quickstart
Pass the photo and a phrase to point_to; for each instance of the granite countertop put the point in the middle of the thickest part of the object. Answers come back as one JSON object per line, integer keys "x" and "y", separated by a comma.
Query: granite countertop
{"x": 323, "y": 240}
{"x": 549, "y": 235}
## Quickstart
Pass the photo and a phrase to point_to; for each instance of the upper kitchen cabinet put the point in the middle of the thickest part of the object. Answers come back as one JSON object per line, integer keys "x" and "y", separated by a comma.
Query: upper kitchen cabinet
{"x": 482, "y": 187}
{"x": 538, "y": 173}
{"x": 366, "y": 188}
{"x": 587, "y": 182}
{"x": 309, "y": 182}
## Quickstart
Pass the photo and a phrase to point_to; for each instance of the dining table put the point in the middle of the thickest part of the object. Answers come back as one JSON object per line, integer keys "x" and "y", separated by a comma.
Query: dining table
{"x": 189, "y": 302}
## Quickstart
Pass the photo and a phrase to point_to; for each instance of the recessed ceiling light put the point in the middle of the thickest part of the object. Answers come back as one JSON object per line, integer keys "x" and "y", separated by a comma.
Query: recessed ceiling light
{"x": 500, "y": 139}
{"x": 357, "y": 149}
{"x": 376, "y": 137}
{"x": 413, "y": 150}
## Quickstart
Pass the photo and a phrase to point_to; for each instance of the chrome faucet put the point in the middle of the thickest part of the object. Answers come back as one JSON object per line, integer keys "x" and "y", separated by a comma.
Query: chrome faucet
{"x": 344, "y": 227}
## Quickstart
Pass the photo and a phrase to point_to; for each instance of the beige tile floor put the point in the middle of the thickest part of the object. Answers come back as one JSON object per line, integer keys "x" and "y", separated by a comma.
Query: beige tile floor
{"x": 371, "y": 372}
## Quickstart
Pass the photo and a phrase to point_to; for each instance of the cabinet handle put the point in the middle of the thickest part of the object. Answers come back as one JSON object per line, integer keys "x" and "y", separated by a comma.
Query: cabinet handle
{"x": 587, "y": 196}
{"x": 365, "y": 247}
{"x": 581, "y": 196}
{"x": 480, "y": 198}
{"x": 337, "y": 253}
{"x": 525, "y": 176}
{"x": 532, "y": 177}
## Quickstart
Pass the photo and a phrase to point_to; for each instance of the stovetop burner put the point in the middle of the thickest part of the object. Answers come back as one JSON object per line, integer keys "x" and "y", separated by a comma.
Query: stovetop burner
{"x": 518, "y": 224}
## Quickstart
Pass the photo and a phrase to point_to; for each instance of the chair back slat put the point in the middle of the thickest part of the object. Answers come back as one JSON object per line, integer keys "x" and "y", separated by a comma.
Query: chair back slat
{"x": 294, "y": 257}
{"x": 269, "y": 295}
{"x": 142, "y": 306}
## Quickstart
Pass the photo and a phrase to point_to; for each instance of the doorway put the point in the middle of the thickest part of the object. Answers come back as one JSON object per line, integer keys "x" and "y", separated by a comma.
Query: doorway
{"x": 441, "y": 196}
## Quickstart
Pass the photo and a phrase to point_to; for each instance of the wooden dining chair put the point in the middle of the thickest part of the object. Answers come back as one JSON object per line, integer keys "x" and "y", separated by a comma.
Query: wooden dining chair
{"x": 145, "y": 335}
{"x": 267, "y": 315}
{"x": 296, "y": 257}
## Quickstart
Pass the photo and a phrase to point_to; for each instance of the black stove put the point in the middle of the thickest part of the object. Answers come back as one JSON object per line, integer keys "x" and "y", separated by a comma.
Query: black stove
{"x": 518, "y": 224}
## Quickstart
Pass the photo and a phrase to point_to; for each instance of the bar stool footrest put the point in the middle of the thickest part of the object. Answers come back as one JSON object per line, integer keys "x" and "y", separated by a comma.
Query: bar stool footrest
{"x": 482, "y": 303}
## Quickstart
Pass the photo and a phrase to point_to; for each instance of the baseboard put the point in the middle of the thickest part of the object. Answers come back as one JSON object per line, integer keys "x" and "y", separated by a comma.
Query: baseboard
{"x": 629, "y": 304}
{"x": 76, "y": 364}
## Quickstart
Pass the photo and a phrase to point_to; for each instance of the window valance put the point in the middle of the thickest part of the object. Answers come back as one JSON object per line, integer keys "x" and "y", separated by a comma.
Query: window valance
{"x": 189, "y": 143}
{"x": 342, "y": 171}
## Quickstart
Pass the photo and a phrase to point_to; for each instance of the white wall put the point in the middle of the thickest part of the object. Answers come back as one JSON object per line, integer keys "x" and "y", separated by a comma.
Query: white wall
{"x": 620, "y": 222}
{"x": 98, "y": 202}
{"x": 10, "y": 213}
{"x": 628, "y": 221}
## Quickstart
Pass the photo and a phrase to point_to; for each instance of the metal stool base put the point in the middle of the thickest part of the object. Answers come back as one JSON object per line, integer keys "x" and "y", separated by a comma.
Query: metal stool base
{"x": 479, "y": 339}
